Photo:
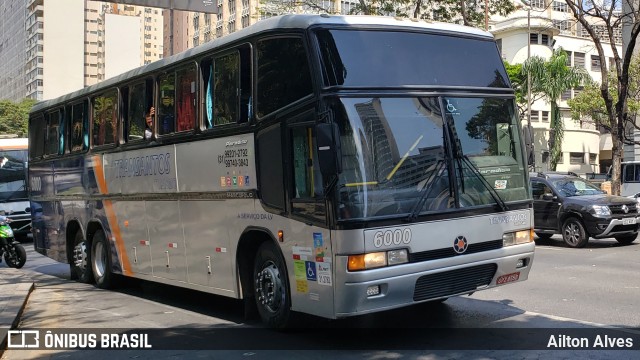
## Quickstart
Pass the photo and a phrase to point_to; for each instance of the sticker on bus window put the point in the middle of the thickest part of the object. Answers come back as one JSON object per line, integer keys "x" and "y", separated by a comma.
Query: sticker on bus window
{"x": 500, "y": 184}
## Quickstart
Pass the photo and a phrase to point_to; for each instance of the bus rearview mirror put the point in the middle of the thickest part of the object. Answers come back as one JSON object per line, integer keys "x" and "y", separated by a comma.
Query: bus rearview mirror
{"x": 329, "y": 153}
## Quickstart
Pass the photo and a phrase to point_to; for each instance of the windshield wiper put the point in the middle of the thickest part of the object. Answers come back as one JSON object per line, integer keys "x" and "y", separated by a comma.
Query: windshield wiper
{"x": 426, "y": 190}
{"x": 494, "y": 194}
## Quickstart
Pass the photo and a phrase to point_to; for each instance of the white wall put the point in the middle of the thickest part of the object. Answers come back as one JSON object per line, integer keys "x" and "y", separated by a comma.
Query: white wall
{"x": 63, "y": 52}
{"x": 123, "y": 44}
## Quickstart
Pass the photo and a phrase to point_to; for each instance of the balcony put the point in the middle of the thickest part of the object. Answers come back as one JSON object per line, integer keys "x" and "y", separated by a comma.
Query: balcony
{"x": 207, "y": 29}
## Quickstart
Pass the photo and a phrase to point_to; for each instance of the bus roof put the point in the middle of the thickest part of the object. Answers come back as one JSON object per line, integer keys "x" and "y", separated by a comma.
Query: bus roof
{"x": 279, "y": 22}
{"x": 14, "y": 144}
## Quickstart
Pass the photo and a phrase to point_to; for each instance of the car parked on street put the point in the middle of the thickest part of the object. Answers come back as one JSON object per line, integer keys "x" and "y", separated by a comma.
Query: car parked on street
{"x": 566, "y": 204}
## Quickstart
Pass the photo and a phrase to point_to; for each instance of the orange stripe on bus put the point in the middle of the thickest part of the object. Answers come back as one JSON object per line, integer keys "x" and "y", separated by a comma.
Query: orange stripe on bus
{"x": 111, "y": 215}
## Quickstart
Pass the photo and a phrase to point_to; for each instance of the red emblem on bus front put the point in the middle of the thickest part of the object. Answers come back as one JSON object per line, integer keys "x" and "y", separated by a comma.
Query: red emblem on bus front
{"x": 460, "y": 244}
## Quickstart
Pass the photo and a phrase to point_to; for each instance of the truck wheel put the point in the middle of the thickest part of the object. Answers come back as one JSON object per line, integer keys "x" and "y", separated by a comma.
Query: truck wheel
{"x": 574, "y": 234}
{"x": 271, "y": 286}
{"x": 80, "y": 264}
{"x": 626, "y": 239}
{"x": 101, "y": 261}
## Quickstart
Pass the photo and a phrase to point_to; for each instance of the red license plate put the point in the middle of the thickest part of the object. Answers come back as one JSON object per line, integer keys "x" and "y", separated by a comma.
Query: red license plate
{"x": 508, "y": 278}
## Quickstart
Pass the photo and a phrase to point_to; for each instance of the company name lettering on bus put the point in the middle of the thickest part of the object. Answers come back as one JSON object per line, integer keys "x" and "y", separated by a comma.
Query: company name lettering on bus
{"x": 237, "y": 142}
{"x": 256, "y": 216}
{"x": 392, "y": 237}
{"x": 157, "y": 164}
{"x": 517, "y": 219}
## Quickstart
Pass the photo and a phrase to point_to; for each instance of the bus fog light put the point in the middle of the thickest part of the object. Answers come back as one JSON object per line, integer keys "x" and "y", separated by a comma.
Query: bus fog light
{"x": 395, "y": 257}
{"x": 373, "y": 290}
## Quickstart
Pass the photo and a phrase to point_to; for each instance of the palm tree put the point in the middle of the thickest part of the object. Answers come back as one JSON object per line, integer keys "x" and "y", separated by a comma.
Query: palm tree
{"x": 550, "y": 78}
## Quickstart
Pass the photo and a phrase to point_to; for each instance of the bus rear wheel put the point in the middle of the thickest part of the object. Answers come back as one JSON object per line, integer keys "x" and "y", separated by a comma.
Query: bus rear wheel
{"x": 101, "y": 261}
{"x": 80, "y": 265}
{"x": 271, "y": 286}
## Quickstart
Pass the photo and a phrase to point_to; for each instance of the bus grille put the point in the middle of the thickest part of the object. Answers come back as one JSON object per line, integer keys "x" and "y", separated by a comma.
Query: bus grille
{"x": 453, "y": 282}
{"x": 449, "y": 252}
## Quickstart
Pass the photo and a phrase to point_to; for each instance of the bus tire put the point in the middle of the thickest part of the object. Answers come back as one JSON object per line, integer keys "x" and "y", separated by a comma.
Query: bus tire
{"x": 101, "y": 261}
{"x": 80, "y": 264}
{"x": 271, "y": 287}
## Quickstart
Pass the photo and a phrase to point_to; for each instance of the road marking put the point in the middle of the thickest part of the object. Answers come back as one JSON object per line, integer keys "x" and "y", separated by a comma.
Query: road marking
{"x": 550, "y": 248}
{"x": 582, "y": 322}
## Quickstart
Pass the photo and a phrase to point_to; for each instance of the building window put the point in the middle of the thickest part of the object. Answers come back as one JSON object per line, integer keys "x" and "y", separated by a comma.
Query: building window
{"x": 577, "y": 90}
{"x": 537, "y": 4}
{"x": 593, "y": 159}
{"x": 535, "y": 116}
{"x": 545, "y": 116}
{"x": 545, "y": 157}
{"x": 576, "y": 158}
{"x": 566, "y": 95}
{"x": 533, "y": 39}
{"x": 561, "y": 158}
{"x": 569, "y": 53}
{"x": 560, "y": 6}
{"x": 578, "y": 59}
{"x": 595, "y": 63}
{"x": 545, "y": 39}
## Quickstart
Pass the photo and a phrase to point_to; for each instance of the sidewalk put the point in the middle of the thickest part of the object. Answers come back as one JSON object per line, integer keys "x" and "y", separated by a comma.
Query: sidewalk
{"x": 15, "y": 287}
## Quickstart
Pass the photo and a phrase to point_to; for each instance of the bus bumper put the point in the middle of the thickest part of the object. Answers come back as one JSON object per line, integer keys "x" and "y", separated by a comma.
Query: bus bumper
{"x": 414, "y": 283}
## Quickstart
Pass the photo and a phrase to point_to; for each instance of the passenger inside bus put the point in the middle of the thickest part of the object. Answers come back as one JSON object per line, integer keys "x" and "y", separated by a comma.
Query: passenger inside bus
{"x": 148, "y": 123}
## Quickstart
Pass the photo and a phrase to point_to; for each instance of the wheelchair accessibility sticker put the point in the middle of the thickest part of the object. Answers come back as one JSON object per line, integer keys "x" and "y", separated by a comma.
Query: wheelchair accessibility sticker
{"x": 310, "y": 268}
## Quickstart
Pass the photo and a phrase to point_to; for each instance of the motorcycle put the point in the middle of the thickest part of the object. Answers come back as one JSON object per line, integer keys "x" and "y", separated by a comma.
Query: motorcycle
{"x": 14, "y": 253}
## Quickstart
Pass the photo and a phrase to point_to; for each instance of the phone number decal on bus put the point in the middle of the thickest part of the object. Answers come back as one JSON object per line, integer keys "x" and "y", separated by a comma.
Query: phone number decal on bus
{"x": 234, "y": 158}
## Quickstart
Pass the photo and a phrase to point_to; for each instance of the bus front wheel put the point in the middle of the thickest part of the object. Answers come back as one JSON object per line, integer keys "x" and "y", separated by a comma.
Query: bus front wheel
{"x": 271, "y": 286}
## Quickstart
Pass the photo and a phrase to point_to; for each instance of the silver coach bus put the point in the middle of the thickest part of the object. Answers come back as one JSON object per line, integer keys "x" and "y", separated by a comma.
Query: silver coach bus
{"x": 330, "y": 165}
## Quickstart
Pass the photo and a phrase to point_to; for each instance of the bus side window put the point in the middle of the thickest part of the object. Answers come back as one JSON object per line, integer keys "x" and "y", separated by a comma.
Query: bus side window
{"x": 105, "y": 117}
{"x": 306, "y": 171}
{"x": 78, "y": 127}
{"x": 186, "y": 98}
{"x": 165, "y": 114}
{"x": 53, "y": 137}
{"x": 284, "y": 74}
{"x": 140, "y": 104}
{"x": 37, "y": 135}
{"x": 226, "y": 83}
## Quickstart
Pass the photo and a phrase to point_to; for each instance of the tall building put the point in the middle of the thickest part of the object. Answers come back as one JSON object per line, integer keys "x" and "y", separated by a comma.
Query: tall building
{"x": 184, "y": 30}
{"x": 13, "y": 19}
{"x": 49, "y": 48}
{"x": 584, "y": 148}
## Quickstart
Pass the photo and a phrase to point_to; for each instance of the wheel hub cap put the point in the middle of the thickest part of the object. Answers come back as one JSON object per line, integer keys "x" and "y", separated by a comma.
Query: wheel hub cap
{"x": 269, "y": 287}
{"x": 80, "y": 255}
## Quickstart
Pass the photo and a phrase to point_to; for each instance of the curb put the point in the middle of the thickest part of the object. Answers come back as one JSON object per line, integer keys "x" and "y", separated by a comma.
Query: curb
{"x": 22, "y": 288}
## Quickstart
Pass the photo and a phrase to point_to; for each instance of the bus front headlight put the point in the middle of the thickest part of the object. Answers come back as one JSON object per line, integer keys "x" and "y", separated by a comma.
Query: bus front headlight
{"x": 517, "y": 237}
{"x": 377, "y": 259}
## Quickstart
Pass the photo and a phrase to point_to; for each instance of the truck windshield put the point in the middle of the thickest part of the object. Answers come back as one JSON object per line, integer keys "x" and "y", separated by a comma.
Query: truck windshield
{"x": 12, "y": 175}
{"x": 396, "y": 158}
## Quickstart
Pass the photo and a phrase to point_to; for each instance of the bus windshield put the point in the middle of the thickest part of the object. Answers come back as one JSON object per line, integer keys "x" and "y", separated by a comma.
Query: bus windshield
{"x": 401, "y": 59}
{"x": 12, "y": 175}
{"x": 411, "y": 155}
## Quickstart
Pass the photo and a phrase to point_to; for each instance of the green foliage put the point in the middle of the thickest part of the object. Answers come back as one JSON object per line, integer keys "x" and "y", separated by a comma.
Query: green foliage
{"x": 467, "y": 12}
{"x": 590, "y": 105}
{"x": 550, "y": 78}
{"x": 518, "y": 82}
{"x": 14, "y": 117}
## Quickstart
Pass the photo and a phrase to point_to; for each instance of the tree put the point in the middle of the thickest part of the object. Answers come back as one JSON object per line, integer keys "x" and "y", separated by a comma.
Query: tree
{"x": 589, "y": 106}
{"x": 601, "y": 20}
{"x": 14, "y": 117}
{"x": 550, "y": 78}
{"x": 467, "y": 12}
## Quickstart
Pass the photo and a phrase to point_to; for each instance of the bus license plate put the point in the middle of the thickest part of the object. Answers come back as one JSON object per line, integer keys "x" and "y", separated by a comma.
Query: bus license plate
{"x": 508, "y": 278}
{"x": 628, "y": 221}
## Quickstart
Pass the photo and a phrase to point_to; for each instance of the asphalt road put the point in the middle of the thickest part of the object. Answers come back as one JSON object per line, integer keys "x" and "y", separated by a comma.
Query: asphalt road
{"x": 594, "y": 287}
